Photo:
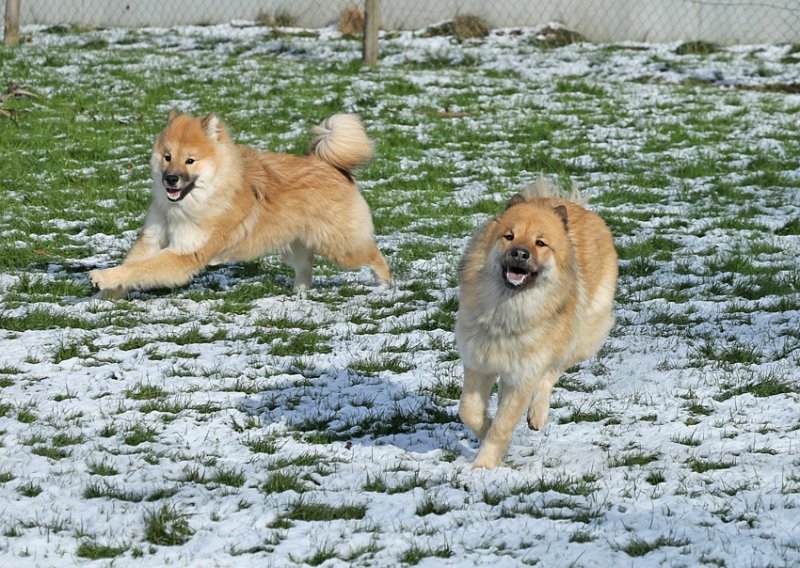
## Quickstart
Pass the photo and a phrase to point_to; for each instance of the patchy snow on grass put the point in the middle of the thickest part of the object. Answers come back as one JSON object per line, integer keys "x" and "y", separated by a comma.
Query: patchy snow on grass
{"x": 232, "y": 423}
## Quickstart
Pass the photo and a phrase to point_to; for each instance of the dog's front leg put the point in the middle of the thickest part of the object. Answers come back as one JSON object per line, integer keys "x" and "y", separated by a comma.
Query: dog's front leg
{"x": 474, "y": 403}
{"x": 509, "y": 410}
{"x": 167, "y": 269}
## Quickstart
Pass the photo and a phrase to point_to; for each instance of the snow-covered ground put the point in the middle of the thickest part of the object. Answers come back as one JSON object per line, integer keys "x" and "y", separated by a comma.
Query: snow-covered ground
{"x": 322, "y": 429}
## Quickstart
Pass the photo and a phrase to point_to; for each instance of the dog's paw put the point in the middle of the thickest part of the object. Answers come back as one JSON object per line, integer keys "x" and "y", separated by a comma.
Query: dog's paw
{"x": 485, "y": 463}
{"x": 487, "y": 458}
{"x": 111, "y": 294}
{"x": 537, "y": 416}
{"x": 108, "y": 279}
{"x": 97, "y": 278}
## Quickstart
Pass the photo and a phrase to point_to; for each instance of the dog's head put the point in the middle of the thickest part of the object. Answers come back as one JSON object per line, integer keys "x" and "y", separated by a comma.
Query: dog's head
{"x": 530, "y": 241}
{"x": 186, "y": 154}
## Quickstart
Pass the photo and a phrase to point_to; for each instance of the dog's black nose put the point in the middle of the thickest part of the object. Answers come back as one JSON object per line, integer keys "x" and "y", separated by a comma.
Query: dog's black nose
{"x": 520, "y": 254}
{"x": 171, "y": 179}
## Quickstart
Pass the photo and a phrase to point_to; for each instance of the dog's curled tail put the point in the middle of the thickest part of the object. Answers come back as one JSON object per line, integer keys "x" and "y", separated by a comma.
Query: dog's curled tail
{"x": 548, "y": 188}
{"x": 341, "y": 141}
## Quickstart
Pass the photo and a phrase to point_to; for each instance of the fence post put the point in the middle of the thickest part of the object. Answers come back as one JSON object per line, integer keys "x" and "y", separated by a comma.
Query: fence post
{"x": 372, "y": 22}
{"x": 11, "y": 30}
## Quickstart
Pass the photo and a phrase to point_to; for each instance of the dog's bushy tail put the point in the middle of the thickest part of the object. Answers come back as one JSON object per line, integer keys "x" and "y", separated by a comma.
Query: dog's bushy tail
{"x": 548, "y": 188}
{"x": 341, "y": 141}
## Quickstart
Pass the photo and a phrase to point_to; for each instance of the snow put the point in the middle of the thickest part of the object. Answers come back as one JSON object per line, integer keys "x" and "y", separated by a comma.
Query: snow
{"x": 562, "y": 498}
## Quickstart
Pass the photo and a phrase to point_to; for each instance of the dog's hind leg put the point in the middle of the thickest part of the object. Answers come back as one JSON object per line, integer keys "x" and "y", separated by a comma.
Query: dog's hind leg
{"x": 367, "y": 255}
{"x": 539, "y": 409}
{"x": 300, "y": 258}
{"x": 474, "y": 403}
{"x": 379, "y": 267}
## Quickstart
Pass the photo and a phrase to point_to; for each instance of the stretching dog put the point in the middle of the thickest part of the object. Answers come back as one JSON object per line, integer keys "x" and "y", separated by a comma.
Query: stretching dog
{"x": 215, "y": 201}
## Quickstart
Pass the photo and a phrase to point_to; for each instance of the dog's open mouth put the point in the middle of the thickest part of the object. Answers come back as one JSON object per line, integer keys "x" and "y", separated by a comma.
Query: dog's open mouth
{"x": 178, "y": 193}
{"x": 517, "y": 277}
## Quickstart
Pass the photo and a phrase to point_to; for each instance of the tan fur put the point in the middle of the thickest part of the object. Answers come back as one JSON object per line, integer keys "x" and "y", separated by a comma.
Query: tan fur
{"x": 245, "y": 204}
{"x": 527, "y": 337}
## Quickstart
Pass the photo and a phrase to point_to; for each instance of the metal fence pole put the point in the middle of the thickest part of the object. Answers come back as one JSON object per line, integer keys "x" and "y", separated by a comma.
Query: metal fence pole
{"x": 11, "y": 30}
{"x": 372, "y": 22}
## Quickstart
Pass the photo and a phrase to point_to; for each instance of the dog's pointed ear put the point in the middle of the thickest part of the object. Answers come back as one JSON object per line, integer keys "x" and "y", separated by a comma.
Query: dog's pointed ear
{"x": 212, "y": 126}
{"x": 561, "y": 211}
{"x": 516, "y": 199}
{"x": 173, "y": 114}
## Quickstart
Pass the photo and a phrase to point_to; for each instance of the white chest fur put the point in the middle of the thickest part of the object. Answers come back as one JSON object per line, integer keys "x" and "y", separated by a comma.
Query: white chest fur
{"x": 184, "y": 236}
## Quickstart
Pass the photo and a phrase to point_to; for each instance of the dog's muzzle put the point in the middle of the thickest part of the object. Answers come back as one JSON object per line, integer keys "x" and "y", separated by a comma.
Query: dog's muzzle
{"x": 178, "y": 186}
{"x": 519, "y": 269}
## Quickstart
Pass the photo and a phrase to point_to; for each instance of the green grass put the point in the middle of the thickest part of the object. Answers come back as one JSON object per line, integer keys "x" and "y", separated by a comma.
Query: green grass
{"x": 263, "y": 445}
{"x": 658, "y": 248}
{"x": 279, "y": 482}
{"x": 373, "y": 365}
{"x": 327, "y": 422}
{"x": 139, "y": 433}
{"x": 310, "y": 511}
{"x": 320, "y": 556}
{"x": 416, "y": 554}
{"x": 699, "y": 465}
{"x": 42, "y": 318}
{"x": 97, "y": 551}
{"x": 30, "y": 490}
{"x": 735, "y": 353}
{"x": 146, "y": 392}
{"x": 166, "y": 526}
{"x": 102, "y": 468}
{"x": 431, "y": 506}
{"x": 580, "y": 486}
{"x": 301, "y": 344}
{"x": 637, "y": 546}
{"x": 766, "y": 385}
{"x": 634, "y": 459}
{"x": 230, "y": 477}
{"x": 580, "y": 415}
{"x": 52, "y": 452}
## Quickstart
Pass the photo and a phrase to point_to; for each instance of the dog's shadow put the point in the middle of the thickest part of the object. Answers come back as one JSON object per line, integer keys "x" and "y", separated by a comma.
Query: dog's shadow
{"x": 352, "y": 407}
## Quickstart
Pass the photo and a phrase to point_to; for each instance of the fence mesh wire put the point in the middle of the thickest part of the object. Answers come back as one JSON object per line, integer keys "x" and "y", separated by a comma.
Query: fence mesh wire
{"x": 719, "y": 21}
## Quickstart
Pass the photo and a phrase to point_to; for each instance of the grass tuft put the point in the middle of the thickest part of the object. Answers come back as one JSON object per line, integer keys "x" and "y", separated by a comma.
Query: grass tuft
{"x": 166, "y": 526}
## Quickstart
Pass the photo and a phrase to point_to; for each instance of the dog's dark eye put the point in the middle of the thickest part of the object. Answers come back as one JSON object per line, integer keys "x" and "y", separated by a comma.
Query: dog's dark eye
{"x": 509, "y": 236}
{"x": 190, "y": 161}
{"x": 167, "y": 158}
{"x": 540, "y": 243}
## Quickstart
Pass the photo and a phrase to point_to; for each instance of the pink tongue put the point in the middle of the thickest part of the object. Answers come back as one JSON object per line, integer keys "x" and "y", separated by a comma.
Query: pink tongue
{"x": 174, "y": 194}
{"x": 515, "y": 278}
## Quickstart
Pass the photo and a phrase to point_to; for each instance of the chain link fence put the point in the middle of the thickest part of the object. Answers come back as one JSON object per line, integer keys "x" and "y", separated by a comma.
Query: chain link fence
{"x": 725, "y": 22}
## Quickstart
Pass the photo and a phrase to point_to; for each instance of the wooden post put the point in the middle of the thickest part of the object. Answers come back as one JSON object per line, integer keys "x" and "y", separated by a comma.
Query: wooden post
{"x": 372, "y": 22}
{"x": 11, "y": 30}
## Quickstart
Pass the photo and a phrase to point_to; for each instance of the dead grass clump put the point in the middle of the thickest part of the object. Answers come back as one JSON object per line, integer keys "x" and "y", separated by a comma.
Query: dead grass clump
{"x": 557, "y": 36}
{"x": 351, "y": 21}
{"x": 696, "y": 48}
{"x": 467, "y": 27}
{"x": 284, "y": 19}
{"x": 14, "y": 91}
{"x": 264, "y": 19}
{"x": 462, "y": 27}
{"x": 280, "y": 19}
